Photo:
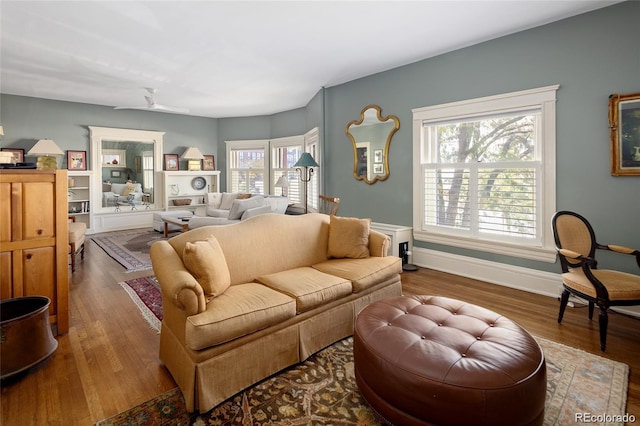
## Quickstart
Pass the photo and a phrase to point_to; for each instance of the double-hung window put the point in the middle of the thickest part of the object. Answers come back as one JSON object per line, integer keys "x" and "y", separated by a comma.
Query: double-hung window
{"x": 484, "y": 173}
{"x": 247, "y": 166}
{"x": 284, "y": 154}
{"x": 267, "y": 167}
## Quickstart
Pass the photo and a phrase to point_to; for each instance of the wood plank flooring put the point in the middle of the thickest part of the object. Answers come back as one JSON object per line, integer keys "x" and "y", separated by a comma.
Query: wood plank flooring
{"x": 109, "y": 362}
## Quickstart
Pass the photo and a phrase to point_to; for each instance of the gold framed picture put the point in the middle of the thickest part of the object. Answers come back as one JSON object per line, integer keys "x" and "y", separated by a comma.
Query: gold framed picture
{"x": 624, "y": 125}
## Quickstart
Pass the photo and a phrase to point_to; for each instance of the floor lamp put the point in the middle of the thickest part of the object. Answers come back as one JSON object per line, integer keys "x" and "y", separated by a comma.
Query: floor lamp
{"x": 306, "y": 161}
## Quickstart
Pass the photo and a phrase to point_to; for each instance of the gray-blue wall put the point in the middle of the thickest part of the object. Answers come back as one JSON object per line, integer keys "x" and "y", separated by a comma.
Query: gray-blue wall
{"x": 25, "y": 120}
{"x": 591, "y": 56}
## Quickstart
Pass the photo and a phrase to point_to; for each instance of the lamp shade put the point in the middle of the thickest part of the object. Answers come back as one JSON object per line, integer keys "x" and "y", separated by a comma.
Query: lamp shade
{"x": 306, "y": 160}
{"x": 282, "y": 182}
{"x": 192, "y": 153}
{"x": 45, "y": 147}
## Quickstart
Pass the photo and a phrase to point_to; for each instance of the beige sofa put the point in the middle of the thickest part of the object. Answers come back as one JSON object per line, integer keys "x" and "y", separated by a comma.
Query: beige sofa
{"x": 243, "y": 301}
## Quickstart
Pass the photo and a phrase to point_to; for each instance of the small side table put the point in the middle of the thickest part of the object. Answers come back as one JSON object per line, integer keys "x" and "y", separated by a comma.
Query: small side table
{"x": 183, "y": 223}
{"x": 294, "y": 209}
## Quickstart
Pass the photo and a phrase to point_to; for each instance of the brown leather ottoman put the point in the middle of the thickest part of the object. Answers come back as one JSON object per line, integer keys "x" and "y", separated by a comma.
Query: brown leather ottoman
{"x": 434, "y": 360}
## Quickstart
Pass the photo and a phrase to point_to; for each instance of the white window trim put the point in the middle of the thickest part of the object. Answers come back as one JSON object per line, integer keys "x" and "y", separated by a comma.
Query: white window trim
{"x": 310, "y": 138}
{"x": 250, "y": 144}
{"x": 543, "y": 98}
{"x": 288, "y": 141}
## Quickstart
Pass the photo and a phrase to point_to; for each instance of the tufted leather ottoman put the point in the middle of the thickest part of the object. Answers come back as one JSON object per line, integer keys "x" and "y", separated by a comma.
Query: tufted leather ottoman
{"x": 434, "y": 360}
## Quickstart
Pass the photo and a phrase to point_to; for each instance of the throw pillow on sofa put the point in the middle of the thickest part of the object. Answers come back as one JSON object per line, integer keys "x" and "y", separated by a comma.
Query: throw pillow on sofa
{"x": 348, "y": 237}
{"x": 227, "y": 200}
{"x": 240, "y": 206}
{"x": 206, "y": 262}
{"x": 214, "y": 199}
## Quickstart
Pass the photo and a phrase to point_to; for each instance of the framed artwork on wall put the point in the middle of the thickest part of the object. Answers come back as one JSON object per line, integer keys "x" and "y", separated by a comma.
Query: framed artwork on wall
{"x": 77, "y": 160}
{"x": 208, "y": 163}
{"x": 18, "y": 154}
{"x": 116, "y": 173}
{"x": 624, "y": 125}
{"x": 171, "y": 162}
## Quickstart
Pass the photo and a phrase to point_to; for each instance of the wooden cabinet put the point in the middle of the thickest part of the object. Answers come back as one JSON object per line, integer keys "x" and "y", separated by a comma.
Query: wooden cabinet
{"x": 34, "y": 240}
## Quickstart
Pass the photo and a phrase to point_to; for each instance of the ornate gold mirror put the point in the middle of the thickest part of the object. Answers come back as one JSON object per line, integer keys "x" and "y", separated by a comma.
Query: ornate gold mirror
{"x": 370, "y": 136}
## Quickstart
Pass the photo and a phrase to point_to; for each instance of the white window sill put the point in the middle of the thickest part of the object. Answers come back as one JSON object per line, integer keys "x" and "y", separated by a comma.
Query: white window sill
{"x": 541, "y": 254}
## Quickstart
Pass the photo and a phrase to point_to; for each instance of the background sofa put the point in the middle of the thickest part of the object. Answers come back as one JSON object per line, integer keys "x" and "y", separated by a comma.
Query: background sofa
{"x": 241, "y": 302}
{"x": 224, "y": 208}
{"x": 109, "y": 191}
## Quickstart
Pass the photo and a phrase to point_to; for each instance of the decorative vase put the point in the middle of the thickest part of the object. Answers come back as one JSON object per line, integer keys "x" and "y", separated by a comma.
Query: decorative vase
{"x": 636, "y": 154}
{"x": 175, "y": 190}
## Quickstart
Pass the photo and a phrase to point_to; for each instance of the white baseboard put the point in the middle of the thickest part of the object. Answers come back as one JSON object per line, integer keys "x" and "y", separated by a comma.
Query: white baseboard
{"x": 526, "y": 279}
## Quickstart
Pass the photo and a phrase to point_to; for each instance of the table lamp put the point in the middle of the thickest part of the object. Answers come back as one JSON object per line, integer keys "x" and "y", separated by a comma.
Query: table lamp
{"x": 46, "y": 150}
{"x": 193, "y": 157}
{"x": 283, "y": 182}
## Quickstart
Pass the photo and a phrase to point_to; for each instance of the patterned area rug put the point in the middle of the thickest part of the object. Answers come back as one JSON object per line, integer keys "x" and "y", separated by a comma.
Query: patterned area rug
{"x": 145, "y": 293}
{"x": 322, "y": 390}
{"x": 128, "y": 248}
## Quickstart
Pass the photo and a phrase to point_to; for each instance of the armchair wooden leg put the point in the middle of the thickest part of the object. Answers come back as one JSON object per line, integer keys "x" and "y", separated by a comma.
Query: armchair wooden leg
{"x": 73, "y": 257}
{"x": 604, "y": 322}
{"x": 564, "y": 299}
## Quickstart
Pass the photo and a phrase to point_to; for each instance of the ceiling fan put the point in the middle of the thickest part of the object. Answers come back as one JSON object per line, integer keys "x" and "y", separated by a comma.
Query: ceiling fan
{"x": 153, "y": 106}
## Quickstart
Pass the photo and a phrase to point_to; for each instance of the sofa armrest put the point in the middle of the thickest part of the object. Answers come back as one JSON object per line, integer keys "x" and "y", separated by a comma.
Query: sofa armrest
{"x": 378, "y": 244}
{"x": 176, "y": 282}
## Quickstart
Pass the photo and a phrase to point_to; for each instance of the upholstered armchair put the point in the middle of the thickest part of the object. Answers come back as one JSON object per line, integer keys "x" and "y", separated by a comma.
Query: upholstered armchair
{"x": 576, "y": 245}
{"x": 77, "y": 231}
{"x": 328, "y": 205}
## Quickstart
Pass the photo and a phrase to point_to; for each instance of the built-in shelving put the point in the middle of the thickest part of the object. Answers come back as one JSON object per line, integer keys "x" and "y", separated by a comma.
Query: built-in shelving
{"x": 179, "y": 185}
{"x": 79, "y": 196}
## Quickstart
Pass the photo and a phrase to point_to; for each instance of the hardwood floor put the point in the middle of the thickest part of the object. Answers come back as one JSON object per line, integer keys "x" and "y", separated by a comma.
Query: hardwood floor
{"x": 109, "y": 362}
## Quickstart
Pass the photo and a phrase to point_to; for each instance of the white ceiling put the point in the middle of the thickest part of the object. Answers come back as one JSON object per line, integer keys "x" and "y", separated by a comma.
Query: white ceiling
{"x": 237, "y": 58}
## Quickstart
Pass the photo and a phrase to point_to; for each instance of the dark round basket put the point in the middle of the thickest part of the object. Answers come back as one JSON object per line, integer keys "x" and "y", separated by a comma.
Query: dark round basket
{"x": 25, "y": 337}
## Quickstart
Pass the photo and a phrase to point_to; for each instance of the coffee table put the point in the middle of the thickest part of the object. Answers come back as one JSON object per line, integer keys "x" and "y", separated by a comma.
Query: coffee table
{"x": 182, "y": 222}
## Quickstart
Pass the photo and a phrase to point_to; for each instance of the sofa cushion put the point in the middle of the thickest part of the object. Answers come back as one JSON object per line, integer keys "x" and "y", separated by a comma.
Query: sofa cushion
{"x": 217, "y": 212}
{"x": 348, "y": 237}
{"x": 214, "y": 199}
{"x": 227, "y": 200}
{"x": 278, "y": 204}
{"x": 249, "y": 213}
{"x": 239, "y": 206}
{"x": 241, "y": 310}
{"x": 363, "y": 273}
{"x": 206, "y": 262}
{"x": 310, "y": 287}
